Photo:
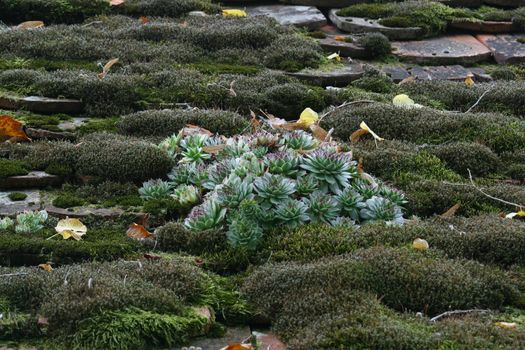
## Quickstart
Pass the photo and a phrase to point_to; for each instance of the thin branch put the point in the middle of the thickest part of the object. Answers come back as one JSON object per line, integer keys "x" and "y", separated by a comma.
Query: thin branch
{"x": 457, "y": 312}
{"x": 489, "y": 196}
{"x": 347, "y": 103}
{"x": 14, "y": 274}
{"x": 479, "y": 99}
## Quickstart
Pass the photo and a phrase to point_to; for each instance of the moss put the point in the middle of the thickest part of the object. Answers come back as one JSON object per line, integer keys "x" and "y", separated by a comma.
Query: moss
{"x": 521, "y": 40}
{"x": 375, "y": 44}
{"x": 373, "y": 10}
{"x": 68, "y": 200}
{"x": 17, "y": 196}
{"x": 503, "y": 73}
{"x": 498, "y": 132}
{"x": 378, "y": 84}
{"x": 224, "y": 68}
{"x": 13, "y": 168}
{"x": 98, "y": 244}
{"x": 167, "y": 122}
{"x": 463, "y": 156}
{"x": 135, "y": 328}
{"x": 98, "y": 125}
{"x": 317, "y": 34}
{"x": 406, "y": 280}
{"x": 59, "y": 169}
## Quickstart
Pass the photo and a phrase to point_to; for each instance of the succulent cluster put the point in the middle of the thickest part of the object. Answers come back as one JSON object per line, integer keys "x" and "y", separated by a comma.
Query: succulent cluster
{"x": 250, "y": 183}
{"x": 27, "y": 222}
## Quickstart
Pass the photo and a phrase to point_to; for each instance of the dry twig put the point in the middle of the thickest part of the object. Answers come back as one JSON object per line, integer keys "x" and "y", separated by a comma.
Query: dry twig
{"x": 457, "y": 312}
{"x": 489, "y": 196}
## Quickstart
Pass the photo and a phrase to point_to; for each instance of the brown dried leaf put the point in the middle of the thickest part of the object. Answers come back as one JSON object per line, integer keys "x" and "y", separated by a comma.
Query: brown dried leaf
{"x": 107, "y": 67}
{"x": 150, "y": 256}
{"x": 238, "y": 346}
{"x": 409, "y": 79}
{"x": 30, "y": 25}
{"x": 191, "y": 129}
{"x": 213, "y": 149}
{"x": 360, "y": 166}
{"x": 451, "y": 211}
{"x": 356, "y": 135}
{"x": 46, "y": 267}
{"x": 137, "y": 231}
{"x": 12, "y": 130}
{"x": 255, "y": 123}
{"x": 143, "y": 19}
{"x": 319, "y": 133}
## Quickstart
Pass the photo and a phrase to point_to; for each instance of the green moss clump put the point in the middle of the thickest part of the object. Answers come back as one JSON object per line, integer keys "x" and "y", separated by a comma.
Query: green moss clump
{"x": 13, "y": 168}
{"x": 98, "y": 125}
{"x": 378, "y": 84}
{"x": 464, "y": 156}
{"x": 134, "y": 328}
{"x": 17, "y": 196}
{"x": 521, "y": 40}
{"x": 59, "y": 169}
{"x": 68, "y": 200}
{"x": 375, "y": 44}
{"x": 503, "y": 73}
{"x": 168, "y": 122}
{"x": 406, "y": 280}
{"x": 317, "y": 34}
{"x": 373, "y": 10}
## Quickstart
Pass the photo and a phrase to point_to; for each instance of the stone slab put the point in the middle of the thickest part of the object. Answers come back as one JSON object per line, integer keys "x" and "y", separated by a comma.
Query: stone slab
{"x": 233, "y": 335}
{"x": 35, "y": 179}
{"x": 82, "y": 212}
{"x": 11, "y": 208}
{"x": 40, "y": 104}
{"x": 484, "y": 26}
{"x": 363, "y": 25}
{"x": 453, "y": 73}
{"x": 345, "y": 49}
{"x": 324, "y": 3}
{"x": 300, "y": 16}
{"x": 505, "y": 48}
{"x": 39, "y": 134}
{"x": 446, "y": 50}
{"x": 338, "y": 77}
{"x": 269, "y": 340}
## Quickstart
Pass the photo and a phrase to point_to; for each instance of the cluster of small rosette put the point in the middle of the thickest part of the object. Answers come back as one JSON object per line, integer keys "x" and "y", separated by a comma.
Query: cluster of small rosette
{"x": 248, "y": 184}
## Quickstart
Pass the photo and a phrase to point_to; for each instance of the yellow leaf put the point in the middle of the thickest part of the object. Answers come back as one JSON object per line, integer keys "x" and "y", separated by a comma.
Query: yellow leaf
{"x": 30, "y": 25}
{"x": 71, "y": 228}
{"x": 469, "y": 81}
{"x": 402, "y": 100}
{"x": 137, "y": 231}
{"x": 365, "y": 127}
{"x": 335, "y": 56}
{"x": 506, "y": 325}
{"x": 356, "y": 135}
{"x": 340, "y": 38}
{"x": 238, "y": 346}
{"x": 519, "y": 215}
{"x": 46, "y": 267}
{"x": 420, "y": 244}
{"x": 12, "y": 130}
{"x": 234, "y": 13}
{"x": 308, "y": 117}
{"x": 107, "y": 67}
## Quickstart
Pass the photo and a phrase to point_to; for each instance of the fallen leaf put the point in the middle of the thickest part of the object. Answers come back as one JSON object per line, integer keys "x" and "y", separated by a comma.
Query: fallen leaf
{"x": 42, "y": 321}
{"x": 71, "y": 228}
{"x": 191, "y": 129}
{"x": 319, "y": 133}
{"x": 420, "y": 244}
{"x": 407, "y": 80}
{"x": 198, "y": 261}
{"x": 231, "y": 91}
{"x": 144, "y": 19}
{"x": 234, "y": 13}
{"x": 334, "y": 56}
{"x": 150, "y": 256}
{"x": 369, "y": 178}
{"x": 365, "y": 127}
{"x": 339, "y": 38}
{"x": 214, "y": 149}
{"x": 356, "y": 135}
{"x": 238, "y": 346}
{"x": 518, "y": 215}
{"x": 402, "y": 100}
{"x": 46, "y": 267}
{"x": 107, "y": 67}
{"x": 360, "y": 166}
{"x": 116, "y": 2}
{"x": 137, "y": 231}
{"x": 308, "y": 117}
{"x": 507, "y": 325}
{"x": 469, "y": 81}
{"x": 12, "y": 130}
{"x": 30, "y": 25}
{"x": 451, "y": 212}
{"x": 254, "y": 122}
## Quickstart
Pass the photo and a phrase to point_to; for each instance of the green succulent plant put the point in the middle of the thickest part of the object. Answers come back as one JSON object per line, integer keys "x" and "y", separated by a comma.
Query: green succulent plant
{"x": 234, "y": 190}
{"x": 155, "y": 189}
{"x": 234, "y": 148}
{"x": 206, "y": 216}
{"x": 395, "y": 196}
{"x": 6, "y": 223}
{"x": 282, "y": 163}
{"x": 365, "y": 189}
{"x": 273, "y": 189}
{"x": 249, "y": 164}
{"x": 186, "y": 195}
{"x": 350, "y": 203}
{"x": 306, "y": 185}
{"x": 333, "y": 170}
{"x": 30, "y": 221}
{"x": 382, "y": 209}
{"x": 321, "y": 207}
{"x": 171, "y": 144}
{"x": 219, "y": 171}
{"x": 244, "y": 230}
{"x": 292, "y": 213}
{"x": 299, "y": 141}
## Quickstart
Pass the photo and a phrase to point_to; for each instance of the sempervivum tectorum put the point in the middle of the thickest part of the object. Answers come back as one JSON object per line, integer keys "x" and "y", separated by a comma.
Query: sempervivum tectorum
{"x": 382, "y": 209}
{"x": 273, "y": 189}
{"x": 206, "y": 216}
{"x": 333, "y": 170}
{"x": 282, "y": 163}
